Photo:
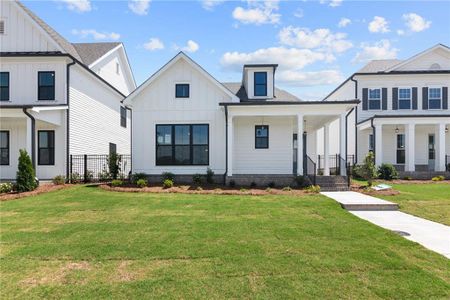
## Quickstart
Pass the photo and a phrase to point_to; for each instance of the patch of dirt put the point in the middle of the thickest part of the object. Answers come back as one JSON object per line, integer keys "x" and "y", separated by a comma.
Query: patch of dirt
{"x": 43, "y": 188}
{"x": 58, "y": 276}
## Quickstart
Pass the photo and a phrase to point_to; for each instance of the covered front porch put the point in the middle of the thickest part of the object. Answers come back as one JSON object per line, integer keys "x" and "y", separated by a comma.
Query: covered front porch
{"x": 271, "y": 142}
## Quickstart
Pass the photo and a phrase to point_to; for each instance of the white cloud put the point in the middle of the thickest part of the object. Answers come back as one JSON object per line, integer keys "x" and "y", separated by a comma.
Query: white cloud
{"x": 154, "y": 44}
{"x": 139, "y": 7}
{"x": 378, "y": 50}
{"x": 96, "y": 35}
{"x": 191, "y": 46}
{"x": 210, "y": 4}
{"x": 258, "y": 13}
{"x": 335, "y": 3}
{"x": 344, "y": 22}
{"x": 416, "y": 23}
{"x": 298, "y": 78}
{"x": 379, "y": 24}
{"x": 321, "y": 38}
{"x": 78, "y": 5}
{"x": 298, "y": 13}
{"x": 400, "y": 32}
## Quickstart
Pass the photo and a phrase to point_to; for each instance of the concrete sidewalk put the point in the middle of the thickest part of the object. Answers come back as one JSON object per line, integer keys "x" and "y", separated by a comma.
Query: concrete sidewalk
{"x": 357, "y": 201}
{"x": 431, "y": 235}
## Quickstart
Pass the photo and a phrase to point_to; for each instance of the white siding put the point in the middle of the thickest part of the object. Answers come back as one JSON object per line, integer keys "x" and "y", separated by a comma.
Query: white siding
{"x": 17, "y": 140}
{"x": 59, "y": 168}
{"x": 424, "y": 62}
{"x": 250, "y": 79}
{"x": 95, "y": 116}
{"x": 20, "y": 33}
{"x": 277, "y": 159}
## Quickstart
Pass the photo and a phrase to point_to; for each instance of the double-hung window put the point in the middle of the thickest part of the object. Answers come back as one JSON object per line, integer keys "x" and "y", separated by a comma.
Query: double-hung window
{"x": 46, "y": 147}
{"x": 375, "y": 99}
{"x": 123, "y": 117}
{"x": 404, "y": 98}
{"x": 4, "y": 147}
{"x": 4, "y": 86}
{"x": 182, "y": 144}
{"x": 400, "y": 148}
{"x": 260, "y": 83}
{"x": 181, "y": 90}
{"x": 46, "y": 85}
{"x": 261, "y": 136}
{"x": 434, "y": 98}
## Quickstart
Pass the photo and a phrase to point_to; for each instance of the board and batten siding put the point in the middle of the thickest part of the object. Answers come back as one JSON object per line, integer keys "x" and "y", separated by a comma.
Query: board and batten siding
{"x": 156, "y": 104}
{"x": 95, "y": 116}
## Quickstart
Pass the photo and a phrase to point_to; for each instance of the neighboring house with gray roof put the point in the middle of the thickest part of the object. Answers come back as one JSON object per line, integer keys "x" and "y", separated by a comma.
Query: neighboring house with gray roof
{"x": 404, "y": 115}
{"x": 57, "y": 98}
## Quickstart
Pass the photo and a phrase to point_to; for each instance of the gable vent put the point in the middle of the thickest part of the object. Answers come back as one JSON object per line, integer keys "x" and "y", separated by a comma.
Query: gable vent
{"x": 435, "y": 67}
{"x": 2, "y": 27}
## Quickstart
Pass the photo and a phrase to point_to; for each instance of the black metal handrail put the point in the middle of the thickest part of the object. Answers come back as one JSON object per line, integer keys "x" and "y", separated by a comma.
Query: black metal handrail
{"x": 311, "y": 171}
{"x": 333, "y": 163}
{"x": 342, "y": 164}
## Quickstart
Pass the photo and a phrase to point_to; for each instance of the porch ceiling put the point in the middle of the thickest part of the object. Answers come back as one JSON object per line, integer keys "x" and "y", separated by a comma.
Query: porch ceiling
{"x": 317, "y": 122}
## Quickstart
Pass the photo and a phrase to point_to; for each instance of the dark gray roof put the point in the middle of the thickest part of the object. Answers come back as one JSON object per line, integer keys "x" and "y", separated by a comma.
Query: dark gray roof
{"x": 90, "y": 52}
{"x": 238, "y": 89}
{"x": 381, "y": 65}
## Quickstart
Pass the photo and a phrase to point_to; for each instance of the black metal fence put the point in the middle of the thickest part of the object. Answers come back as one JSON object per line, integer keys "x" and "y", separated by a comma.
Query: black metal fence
{"x": 95, "y": 168}
{"x": 334, "y": 163}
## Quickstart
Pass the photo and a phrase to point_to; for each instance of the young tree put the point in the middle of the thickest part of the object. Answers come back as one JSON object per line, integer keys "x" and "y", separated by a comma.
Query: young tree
{"x": 25, "y": 177}
{"x": 114, "y": 161}
{"x": 368, "y": 169}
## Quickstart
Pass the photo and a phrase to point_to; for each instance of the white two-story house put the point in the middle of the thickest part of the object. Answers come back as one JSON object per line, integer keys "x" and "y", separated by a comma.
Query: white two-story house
{"x": 57, "y": 98}
{"x": 404, "y": 115}
{"x": 185, "y": 121}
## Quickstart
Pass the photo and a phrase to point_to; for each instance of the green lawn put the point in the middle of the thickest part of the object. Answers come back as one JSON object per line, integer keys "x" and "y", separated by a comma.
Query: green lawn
{"x": 88, "y": 243}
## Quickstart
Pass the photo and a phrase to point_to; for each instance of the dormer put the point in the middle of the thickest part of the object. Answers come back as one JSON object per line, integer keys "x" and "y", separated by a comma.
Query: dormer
{"x": 259, "y": 81}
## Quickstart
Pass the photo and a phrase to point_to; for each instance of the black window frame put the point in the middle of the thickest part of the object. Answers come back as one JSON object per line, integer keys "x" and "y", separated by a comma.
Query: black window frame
{"x": 123, "y": 116}
{"x": 5, "y": 87}
{"x": 51, "y": 149}
{"x": 173, "y": 145}
{"x": 400, "y": 157}
{"x": 182, "y": 85}
{"x": 40, "y": 98}
{"x": 7, "y": 148}
{"x": 261, "y": 137}
{"x": 259, "y": 84}
{"x": 112, "y": 148}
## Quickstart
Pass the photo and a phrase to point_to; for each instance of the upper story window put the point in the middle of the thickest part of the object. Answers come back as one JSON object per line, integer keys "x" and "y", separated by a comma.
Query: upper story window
{"x": 404, "y": 98}
{"x": 46, "y": 85}
{"x": 261, "y": 137}
{"x": 123, "y": 117}
{"x": 375, "y": 99}
{"x": 434, "y": 98}
{"x": 4, "y": 86}
{"x": 4, "y": 147}
{"x": 46, "y": 147}
{"x": 260, "y": 82}
{"x": 181, "y": 90}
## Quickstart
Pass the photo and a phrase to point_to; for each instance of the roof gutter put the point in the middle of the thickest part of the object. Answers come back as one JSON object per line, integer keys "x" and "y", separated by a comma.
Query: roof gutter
{"x": 33, "y": 137}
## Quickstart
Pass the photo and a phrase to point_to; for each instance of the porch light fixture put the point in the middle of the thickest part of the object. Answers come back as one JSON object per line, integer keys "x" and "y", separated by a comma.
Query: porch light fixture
{"x": 396, "y": 129}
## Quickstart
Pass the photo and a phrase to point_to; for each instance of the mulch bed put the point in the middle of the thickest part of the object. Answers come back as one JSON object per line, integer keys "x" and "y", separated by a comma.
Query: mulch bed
{"x": 43, "y": 188}
{"x": 215, "y": 190}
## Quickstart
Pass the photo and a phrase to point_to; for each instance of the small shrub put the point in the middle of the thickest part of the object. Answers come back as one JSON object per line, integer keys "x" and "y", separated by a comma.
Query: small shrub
{"x": 103, "y": 176}
{"x": 168, "y": 175}
{"x": 199, "y": 188}
{"x": 209, "y": 176}
{"x": 438, "y": 178}
{"x": 116, "y": 183}
{"x": 357, "y": 172}
{"x": 114, "y": 161}
{"x": 302, "y": 181}
{"x": 90, "y": 176}
{"x": 25, "y": 178}
{"x": 232, "y": 183}
{"x": 59, "y": 180}
{"x": 313, "y": 189}
{"x": 167, "y": 184}
{"x": 271, "y": 184}
{"x": 387, "y": 172}
{"x": 6, "y": 187}
{"x": 242, "y": 190}
{"x": 136, "y": 176}
{"x": 287, "y": 189}
{"x": 197, "y": 179}
{"x": 142, "y": 183}
{"x": 253, "y": 184}
{"x": 368, "y": 170}
{"x": 407, "y": 178}
{"x": 75, "y": 177}
{"x": 268, "y": 190}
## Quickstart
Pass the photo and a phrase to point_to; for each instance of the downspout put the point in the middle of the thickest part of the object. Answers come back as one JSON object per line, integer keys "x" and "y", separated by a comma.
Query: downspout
{"x": 33, "y": 137}
{"x": 131, "y": 139}
{"x": 226, "y": 145}
{"x": 374, "y": 139}
{"x": 356, "y": 118}
{"x": 67, "y": 118}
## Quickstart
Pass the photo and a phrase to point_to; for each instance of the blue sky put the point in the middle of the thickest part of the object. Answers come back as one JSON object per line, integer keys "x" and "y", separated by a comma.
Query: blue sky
{"x": 317, "y": 44}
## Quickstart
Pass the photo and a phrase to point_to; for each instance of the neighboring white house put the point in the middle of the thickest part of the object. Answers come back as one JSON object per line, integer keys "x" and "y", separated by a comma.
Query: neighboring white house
{"x": 58, "y": 98}
{"x": 185, "y": 121}
{"x": 404, "y": 115}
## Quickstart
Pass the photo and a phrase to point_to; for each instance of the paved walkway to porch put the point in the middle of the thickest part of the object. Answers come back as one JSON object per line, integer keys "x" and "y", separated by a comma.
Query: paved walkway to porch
{"x": 431, "y": 235}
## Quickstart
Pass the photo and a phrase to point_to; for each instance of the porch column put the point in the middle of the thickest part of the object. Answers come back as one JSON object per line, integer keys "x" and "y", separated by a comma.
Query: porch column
{"x": 300, "y": 170}
{"x": 230, "y": 146}
{"x": 29, "y": 136}
{"x": 342, "y": 140}
{"x": 410, "y": 162}
{"x": 378, "y": 144}
{"x": 326, "y": 150}
{"x": 440, "y": 147}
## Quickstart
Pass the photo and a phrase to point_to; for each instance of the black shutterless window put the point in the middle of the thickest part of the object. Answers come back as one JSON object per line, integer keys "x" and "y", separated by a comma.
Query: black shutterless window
{"x": 46, "y": 147}
{"x": 4, "y": 86}
{"x": 123, "y": 117}
{"x": 4, "y": 147}
{"x": 400, "y": 148}
{"x": 46, "y": 85}
{"x": 182, "y": 90}
{"x": 182, "y": 144}
{"x": 261, "y": 136}
{"x": 260, "y": 82}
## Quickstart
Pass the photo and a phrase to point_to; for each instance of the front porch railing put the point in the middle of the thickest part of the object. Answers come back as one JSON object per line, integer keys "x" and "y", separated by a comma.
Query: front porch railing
{"x": 311, "y": 169}
{"x": 334, "y": 163}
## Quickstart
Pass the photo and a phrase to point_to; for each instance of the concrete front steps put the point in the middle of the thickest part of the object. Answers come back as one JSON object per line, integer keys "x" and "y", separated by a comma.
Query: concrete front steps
{"x": 332, "y": 183}
{"x": 359, "y": 202}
